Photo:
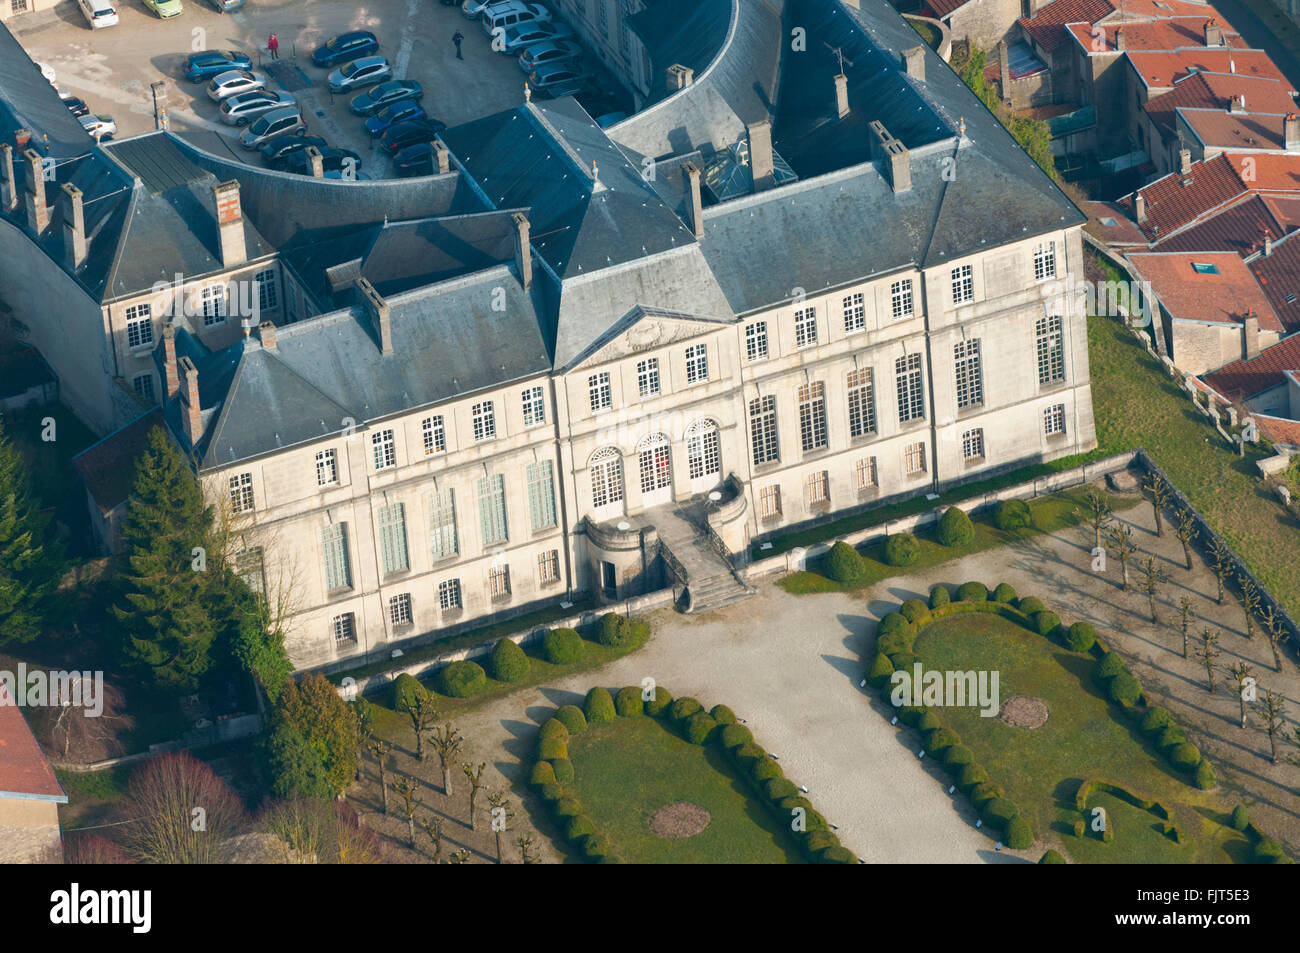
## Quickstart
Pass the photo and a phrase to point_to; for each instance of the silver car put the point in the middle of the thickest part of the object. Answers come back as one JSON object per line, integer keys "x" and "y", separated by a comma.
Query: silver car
{"x": 243, "y": 108}
{"x": 358, "y": 73}
{"x": 232, "y": 82}
{"x": 277, "y": 122}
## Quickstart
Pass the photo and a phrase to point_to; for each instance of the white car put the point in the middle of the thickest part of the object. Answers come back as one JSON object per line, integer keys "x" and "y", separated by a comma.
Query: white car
{"x": 234, "y": 81}
{"x": 472, "y": 8}
{"x": 508, "y": 13}
{"x": 101, "y": 127}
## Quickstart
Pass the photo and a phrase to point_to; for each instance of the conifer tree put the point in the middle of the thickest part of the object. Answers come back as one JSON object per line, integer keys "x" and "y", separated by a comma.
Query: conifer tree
{"x": 29, "y": 559}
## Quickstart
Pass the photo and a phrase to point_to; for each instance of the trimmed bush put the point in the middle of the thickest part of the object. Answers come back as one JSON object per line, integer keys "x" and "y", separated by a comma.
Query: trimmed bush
{"x": 892, "y": 643}
{"x": 939, "y": 596}
{"x": 745, "y": 755}
{"x": 1268, "y": 851}
{"x": 985, "y": 791}
{"x": 910, "y": 715}
{"x": 973, "y": 592}
{"x": 844, "y": 564}
{"x": 463, "y": 679}
{"x": 541, "y": 774}
{"x": 563, "y": 769}
{"x": 628, "y": 703}
{"x": 598, "y": 706}
{"x": 902, "y": 549}
{"x": 958, "y": 756}
{"x": 723, "y": 715}
{"x": 1081, "y": 637}
{"x": 788, "y": 805}
{"x": 1171, "y": 737}
{"x": 1051, "y": 857}
{"x": 1020, "y": 836}
{"x": 1240, "y": 819}
{"x": 552, "y": 791}
{"x": 836, "y": 855}
{"x": 699, "y": 728}
{"x": 1004, "y": 594}
{"x": 663, "y": 698}
{"x": 928, "y": 722}
{"x": 552, "y": 749}
{"x": 1111, "y": 664}
{"x": 613, "y": 630}
{"x": 881, "y": 669}
{"x": 999, "y": 812}
{"x": 1046, "y": 622}
{"x": 562, "y": 646}
{"x": 814, "y": 842}
{"x": 1012, "y": 514}
{"x": 568, "y": 807}
{"x": 778, "y": 789}
{"x": 406, "y": 690}
{"x": 894, "y": 622}
{"x": 765, "y": 770}
{"x": 735, "y": 736}
{"x": 1125, "y": 689}
{"x": 507, "y": 662}
{"x": 1205, "y": 778}
{"x": 941, "y": 738}
{"x": 683, "y": 708}
{"x": 971, "y": 775}
{"x": 904, "y": 662}
{"x": 915, "y": 611}
{"x": 579, "y": 829}
{"x": 955, "y": 528}
{"x": 1156, "y": 720}
{"x": 1185, "y": 756}
{"x": 596, "y": 846}
{"x": 573, "y": 718}
{"x": 554, "y": 728}
{"x": 1030, "y": 605}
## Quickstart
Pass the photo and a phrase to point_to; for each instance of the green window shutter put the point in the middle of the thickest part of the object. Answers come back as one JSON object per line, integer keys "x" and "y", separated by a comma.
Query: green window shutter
{"x": 392, "y": 538}
{"x": 541, "y": 494}
{"x": 492, "y": 509}
{"x": 442, "y": 524}
{"x": 334, "y": 543}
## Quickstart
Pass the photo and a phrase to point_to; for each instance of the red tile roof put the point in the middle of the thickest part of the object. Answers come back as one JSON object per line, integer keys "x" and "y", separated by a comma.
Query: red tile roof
{"x": 1161, "y": 70}
{"x": 1202, "y": 90}
{"x": 1168, "y": 34}
{"x": 941, "y": 8}
{"x": 1220, "y": 129}
{"x": 1172, "y": 205}
{"x": 1278, "y": 275}
{"x": 23, "y": 769}
{"x": 1046, "y": 26}
{"x": 1242, "y": 380}
{"x": 1226, "y": 296}
{"x": 108, "y": 467}
{"x": 1278, "y": 429}
{"x": 1123, "y": 232}
{"x": 1239, "y": 228}
{"x": 1265, "y": 172}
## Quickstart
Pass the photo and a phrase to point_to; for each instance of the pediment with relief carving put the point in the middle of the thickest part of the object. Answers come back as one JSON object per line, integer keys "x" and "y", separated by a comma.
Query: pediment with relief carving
{"x": 648, "y": 332}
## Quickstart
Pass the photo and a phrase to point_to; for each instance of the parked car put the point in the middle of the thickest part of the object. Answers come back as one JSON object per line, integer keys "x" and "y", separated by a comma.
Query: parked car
{"x": 209, "y": 63}
{"x": 241, "y": 109}
{"x": 384, "y": 95}
{"x": 549, "y": 51}
{"x": 508, "y": 13}
{"x": 165, "y": 8}
{"x": 333, "y": 159}
{"x": 408, "y": 133}
{"x": 233, "y": 82}
{"x": 276, "y": 152}
{"x": 225, "y": 6}
{"x": 414, "y": 160}
{"x": 523, "y": 35}
{"x": 101, "y": 127}
{"x": 473, "y": 9}
{"x": 78, "y": 106}
{"x": 358, "y": 73}
{"x": 344, "y": 47}
{"x": 559, "y": 79}
{"x": 278, "y": 122}
{"x": 98, "y": 13}
{"x": 404, "y": 111}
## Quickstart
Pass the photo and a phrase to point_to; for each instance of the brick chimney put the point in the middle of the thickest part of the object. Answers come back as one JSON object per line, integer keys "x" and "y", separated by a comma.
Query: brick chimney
{"x": 171, "y": 376}
{"x": 191, "y": 410}
{"x": 760, "y": 155}
{"x": 441, "y": 157}
{"x": 1237, "y": 104}
{"x": 230, "y": 223}
{"x": 266, "y": 334}
{"x": 523, "y": 249}
{"x": 38, "y": 213}
{"x": 897, "y": 161}
{"x": 1213, "y": 34}
{"x": 1119, "y": 40}
{"x": 316, "y": 161}
{"x": 1250, "y": 335}
{"x": 694, "y": 201}
{"x": 679, "y": 76}
{"x": 377, "y": 308}
{"x": 1140, "y": 208}
{"x": 1291, "y": 133}
{"x": 8, "y": 184}
{"x": 1268, "y": 243}
{"x": 1185, "y": 164}
{"x": 914, "y": 62}
{"x": 74, "y": 227}
{"x": 841, "y": 95}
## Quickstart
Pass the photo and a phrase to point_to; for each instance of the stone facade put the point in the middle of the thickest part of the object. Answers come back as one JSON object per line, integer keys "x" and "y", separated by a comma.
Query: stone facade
{"x": 29, "y": 831}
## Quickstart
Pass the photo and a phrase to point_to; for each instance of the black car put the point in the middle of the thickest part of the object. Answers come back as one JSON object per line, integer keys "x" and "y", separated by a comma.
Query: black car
{"x": 409, "y": 133}
{"x": 276, "y": 152}
{"x": 332, "y": 160}
{"x": 415, "y": 160}
{"x": 345, "y": 47}
{"x": 385, "y": 94}
{"x": 78, "y": 106}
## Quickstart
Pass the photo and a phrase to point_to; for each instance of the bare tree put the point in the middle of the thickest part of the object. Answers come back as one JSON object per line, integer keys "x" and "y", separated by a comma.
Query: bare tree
{"x": 1221, "y": 562}
{"x": 179, "y": 812}
{"x": 527, "y": 849}
{"x": 365, "y": 729}
{"x": 475, "y": 776}
{"x": 446, "y": 743}
{"x": 1293, "y": 739}
{"x": 1249, "y": 603}
{"x": 422, "y": 713}
{"x": 1276, "y": 631}
{"x": 408, "y": 791}
{"x": 433, "y": 830}
{"x": 1242, "y": 677}
{"x": 1160, "y": 495}
{"x": 1096, "y": 514}
{"x": 1271, "y": 709}
{"x": 1120, "y": 537}
{"x": 1208, "y": 652}
{"x": 501, "y": 817}
{"x": 1184, "y": 619}
{"x": 1153, "y": 575}
{"x": 380, "y": 748}
{"x": 79, "y": 737}
{"x": 1187, "y": 534}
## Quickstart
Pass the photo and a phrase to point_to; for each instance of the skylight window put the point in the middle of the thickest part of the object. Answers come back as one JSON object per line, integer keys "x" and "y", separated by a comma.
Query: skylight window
{"x": 1108, "y": 222}
{"x": 1204, "y": 268}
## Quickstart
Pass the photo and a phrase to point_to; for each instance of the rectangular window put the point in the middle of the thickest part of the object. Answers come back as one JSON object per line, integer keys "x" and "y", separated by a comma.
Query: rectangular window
{"x": 442, "y": 524}
{"x": 435, "y": 435}
{"x": 756, "y": 341}
{"x": 769, "y": 502}
{"x": 914, "y": 459}
{"x": 602, "y": 16}
{"x": 862, "y": 403}
{"x": 334, "y": 544}
{"x": 266, "y": 296}
{"x": 548, "y": 567}
{"x": 963, "y": 284}
{"x": 392, "y": 538}
{"x": 1051, "y": 349}
{"x": 492, "y": 509}
{"x": 599, "y": 391}
{"x": 250, "y": 568}
{"x": 541, "y": 494}
{"x": 1045, "y": 261}
{"x": 805, "y": 328}
{"x": 499, "y": 582}
{"x": 241, "y": 493}
{"x": 972, "y": 444}
{"x": 534, "y": 407}
{"x": 867, "y": 476}
{"x": 139, "y": 326}
{"x": 762, "y": 430}
{"x": 970, "y": 378}
{"x": 449, "y": 595}
{"x": 345, "y": 627}
{"x": 1054, "y": 420}
{"x": 399, "y": 609}
{"x": 900, "y": 297}
{"x": 327, "y": 468}
{"x": 911, "y": 393}
{"x": 142, "y": 384}
{"x": 697, "y": 364}
{"x": 855, "y": 312}
{"x": 812, "y": 416}
{"x": 213, "y": 299}
{"x": 384, "y": 446}
{"x": 817, "y": 487}
{"x": 647, "y": 377}
{"x": 485, "y": 421}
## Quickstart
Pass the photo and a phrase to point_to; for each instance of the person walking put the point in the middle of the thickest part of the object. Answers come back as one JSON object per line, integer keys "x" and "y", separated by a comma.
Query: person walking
{"x": 273, "y": 44}
{"x": 456, "y": 38}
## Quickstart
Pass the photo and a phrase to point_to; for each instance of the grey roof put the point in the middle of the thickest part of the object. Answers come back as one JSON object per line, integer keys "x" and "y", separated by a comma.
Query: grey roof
{"x": 28, "y": 101}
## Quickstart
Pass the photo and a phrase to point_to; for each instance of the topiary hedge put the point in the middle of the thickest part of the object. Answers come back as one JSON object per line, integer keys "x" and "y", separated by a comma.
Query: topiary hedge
{"x": 1051, "y": 857}
{"x": 1030, "y": 605}
{"x": 722, "y": 715}
{"x": 596, "y": 846}
{"x": 915, "y": 611}
{"x": 1004, "y": 594}
{"x": 554, "y": 728}
{"x": 579, "y": 829}
{"x": 463, "y": 679}
{"x": 985, "y": 791}
{"x": 1020, "y": 836}
{"x": 553, "y": 791}
{"x": 541, "y": 774}
{"x": 1012, "y": 514}
{"x": 406, "y": 691}
{"x": 507, "y": 662}
{"x": 778, "y": 789}
{"x": 999, "y": 812}
{"x": 572, "y": 718}
{"x": 1081, "y": 637}
{"x": 562, "y": 646}
{"x": 734, "y": 736}
{"x": 567, "y": 806}
{"x": 598, "y": 706}
{"x": 683, "y": 708}
{"x": 844, "y": 564}
{"x": 613, "y": 630}
{"x": 628, "y": 703}
{"x": 551, "y": 749}
{"x": 955, "y": 528}
{"x": 956, "y": 757}
{"x": 972, "y": 592}
{"x": 892, "y": 643}
{"x": 1240, "y": 819}
{"x": 939, "y": 596}
{"x": 902, "y": 549}
{"x": 563, "y": 769}
{"x": 942, "y": 738}
{"x": 1124, "y": 689}
{"x": 881, "y": 669}
{"x": 836, "y": 855}
{"x": 971, "y": 775}
{"x": 1046, "y": 622}
{"x": 765, "y": 770}
{"x": 1171, "y": 737}
{"x": 1204, "y": 777}
{"x": 1155, "y": 720}
{"x": 699, "y": 728}
{"x": 662, "y": 699}
{"x": 1185, "y": 756}
{"x": 746, "y": 755}
{"x": 1110, "y": 665}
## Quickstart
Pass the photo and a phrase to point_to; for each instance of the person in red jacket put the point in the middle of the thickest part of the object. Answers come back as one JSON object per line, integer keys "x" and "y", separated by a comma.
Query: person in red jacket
{"x": 273, "y": 44}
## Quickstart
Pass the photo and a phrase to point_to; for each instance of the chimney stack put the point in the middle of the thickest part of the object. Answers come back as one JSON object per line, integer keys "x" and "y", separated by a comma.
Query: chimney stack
{"x": 1237, "y": 104}
{"x": 896, "y": 159}
{"x": 1291, "y": 133}
{"x": 1185, "y": 164}
{"x": 1213, "y": 35}
{"x": 679, "y": 77}
{"x": 523, "y": 249}
{"x": 266, "y": 334}
{"x": 1268, "y": 243}
{"x": 441, "y": 157}
{"x": 379, "y": 314}
{"x": 316, "y": 161}
{"x": 1119, "y": 39}
{"x": 694, "y": 201}
{"x": 191, "y": 410}
{"x": 1250, "y": 335}
{"x": 1232, "y": 66}
{"x": 230, "y": 223}
{"x": 38, "y": 214}
{"x": 760, "y": 155}
{"x": 1140, "y": 208}
{"x": 914, "y": 62}
{"x": 8, "y": 184}
{"x": 173, "y": 381}
{"x": 841, "y": 95}
{"x": 74, "y": 227}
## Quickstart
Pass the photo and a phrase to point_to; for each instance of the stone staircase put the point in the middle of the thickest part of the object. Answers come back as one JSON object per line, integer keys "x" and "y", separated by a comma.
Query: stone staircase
{"x": 709, "y": 579}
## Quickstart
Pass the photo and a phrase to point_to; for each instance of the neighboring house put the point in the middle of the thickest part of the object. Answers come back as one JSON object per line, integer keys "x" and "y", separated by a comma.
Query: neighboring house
{"x": 1267, "y": 386}
{"x": 30, "y": 794}
{"x": 13, "y": 8}
{"x": 107, "y": 470}
{"x": 984, "y": 23}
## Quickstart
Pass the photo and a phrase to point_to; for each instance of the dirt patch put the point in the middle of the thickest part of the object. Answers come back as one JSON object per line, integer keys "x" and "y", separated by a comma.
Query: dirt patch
{"x": 1023, "y": 711}
{"x": 680, "y": 820}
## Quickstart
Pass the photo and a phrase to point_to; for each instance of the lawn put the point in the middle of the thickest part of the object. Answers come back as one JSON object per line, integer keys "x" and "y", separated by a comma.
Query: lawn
{"x": 628, "y": 769}
{"x": 1085, "y": 736}
{"x": 1049, "y": 513}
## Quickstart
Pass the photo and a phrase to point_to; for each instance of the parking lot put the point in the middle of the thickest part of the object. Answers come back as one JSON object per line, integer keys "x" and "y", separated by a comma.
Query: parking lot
{"x": 112, "y": 69}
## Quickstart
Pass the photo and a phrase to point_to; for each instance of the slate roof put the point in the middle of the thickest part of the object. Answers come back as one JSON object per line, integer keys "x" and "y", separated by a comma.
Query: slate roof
{"x": 108, "y": 466}
{"x": 1224, "y": 297}
{"x": 25, "y": 774}
{"x": 1244, "y": 379}
{"x": 28, "y": 101}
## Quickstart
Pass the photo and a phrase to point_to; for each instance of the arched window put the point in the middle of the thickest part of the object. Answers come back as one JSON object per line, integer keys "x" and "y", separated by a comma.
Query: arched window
{"x": 606, "y": 467}
{"x": 703, "y": 449}
{"x": 656, "y": 463}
